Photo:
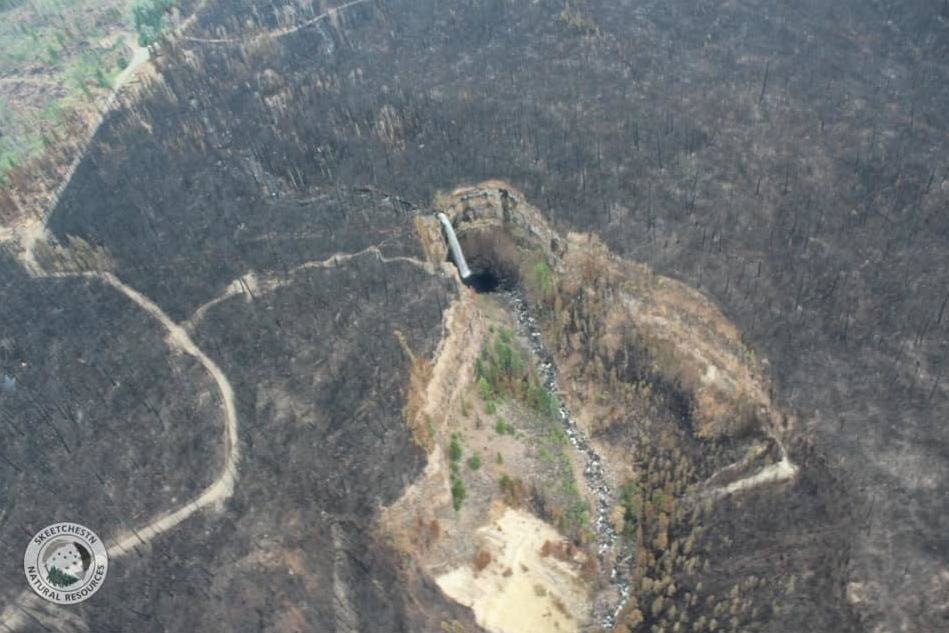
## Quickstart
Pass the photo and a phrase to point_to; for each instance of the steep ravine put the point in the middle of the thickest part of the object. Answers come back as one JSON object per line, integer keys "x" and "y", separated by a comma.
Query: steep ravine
{"x": 649, "y": 363}
{"x": 613, "y": 554}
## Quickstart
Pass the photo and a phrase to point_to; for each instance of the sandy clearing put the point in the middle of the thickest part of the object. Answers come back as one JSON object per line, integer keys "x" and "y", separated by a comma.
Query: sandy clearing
{"x": 520, "y": 590}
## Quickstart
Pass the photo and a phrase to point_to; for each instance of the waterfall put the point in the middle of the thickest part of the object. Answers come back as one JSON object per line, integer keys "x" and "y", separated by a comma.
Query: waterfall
{"x": 455, "y": 247}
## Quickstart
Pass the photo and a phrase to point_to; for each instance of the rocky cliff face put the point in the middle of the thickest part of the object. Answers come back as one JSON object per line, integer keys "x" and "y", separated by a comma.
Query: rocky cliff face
{"x": 677, "y": 405}
{"x": 693, "y": 345}
{"x": 787, "y": 164}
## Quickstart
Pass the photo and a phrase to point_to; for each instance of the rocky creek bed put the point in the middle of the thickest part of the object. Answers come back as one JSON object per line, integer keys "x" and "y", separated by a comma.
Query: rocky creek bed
{"x": 613, "y": 554}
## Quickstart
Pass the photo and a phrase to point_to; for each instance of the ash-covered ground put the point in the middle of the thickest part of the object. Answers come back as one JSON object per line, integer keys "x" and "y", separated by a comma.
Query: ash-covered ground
{"x": 789, "y": 161}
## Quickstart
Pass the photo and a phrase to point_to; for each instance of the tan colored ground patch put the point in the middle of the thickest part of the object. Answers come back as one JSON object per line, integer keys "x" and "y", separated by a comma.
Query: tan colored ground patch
{"x": 691, "y": 339}
{"x": 520, "y": 590}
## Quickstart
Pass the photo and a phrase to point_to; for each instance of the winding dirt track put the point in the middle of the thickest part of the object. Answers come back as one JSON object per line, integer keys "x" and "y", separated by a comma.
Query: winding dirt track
{"x": 223, "y": 487}
{"x": 779, "y": 472}
{"x": 28, "y": 607}
{"x": 253, "y": 282}
{"x": 276, "y": 32}
{"x": 16, "y": 614}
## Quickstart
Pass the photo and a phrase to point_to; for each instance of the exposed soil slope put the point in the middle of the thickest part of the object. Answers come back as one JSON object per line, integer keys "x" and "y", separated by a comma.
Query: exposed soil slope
{"x": 655, "y": 373}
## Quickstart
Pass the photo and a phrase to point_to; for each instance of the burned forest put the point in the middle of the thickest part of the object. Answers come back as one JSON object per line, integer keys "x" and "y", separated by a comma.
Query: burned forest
{"x": 697, "y": 380}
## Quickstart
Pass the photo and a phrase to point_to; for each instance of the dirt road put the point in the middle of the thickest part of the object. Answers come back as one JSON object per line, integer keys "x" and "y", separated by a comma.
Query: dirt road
{"x": 19, "y": 613}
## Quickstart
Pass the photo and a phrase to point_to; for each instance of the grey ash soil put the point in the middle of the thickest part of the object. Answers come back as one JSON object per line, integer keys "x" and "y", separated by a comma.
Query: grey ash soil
{"x": 104, "y": 425}
{"x": 318, "y": 376}
{"x": 324, "y": 445}
{"x": 810, "y": 206}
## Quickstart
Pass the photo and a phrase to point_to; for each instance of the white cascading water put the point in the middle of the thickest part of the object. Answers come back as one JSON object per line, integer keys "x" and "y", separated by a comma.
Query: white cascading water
{"x": 455, "y": 247}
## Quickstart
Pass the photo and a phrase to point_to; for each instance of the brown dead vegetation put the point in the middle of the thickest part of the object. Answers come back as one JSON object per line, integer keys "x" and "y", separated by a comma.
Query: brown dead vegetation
{"x": 513, "y": 491}
{"x": 420, "y": 373}
{"x": 628, "y": 326}
{"x": 427, "y": 533}
{"x": 561, "y": 550}
{"x": 481, "y": 560}
{"x": 430, "y": 238}
{"x": 638, "y": 354}
{"x": 632, "y": 327}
